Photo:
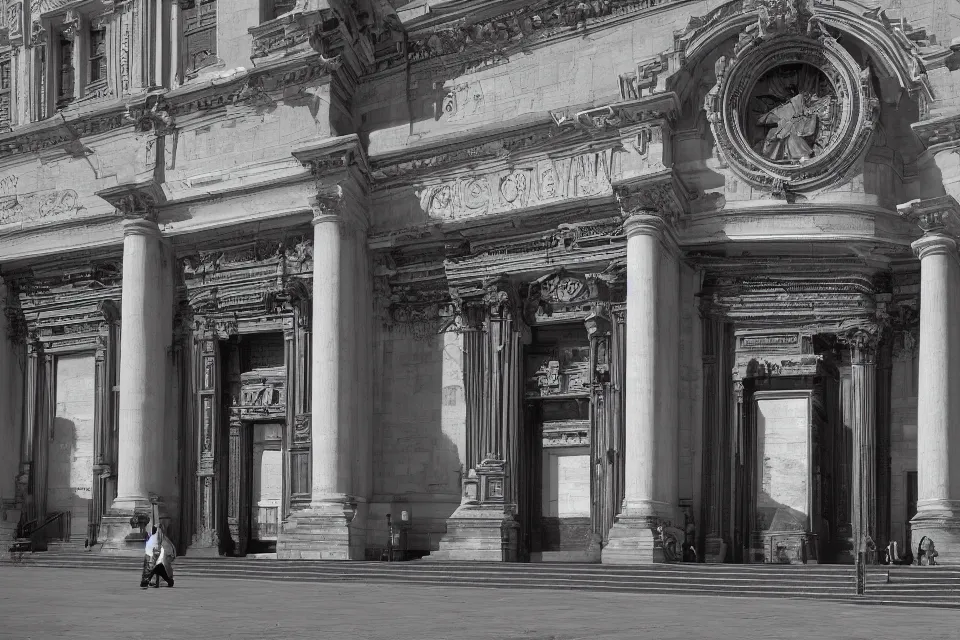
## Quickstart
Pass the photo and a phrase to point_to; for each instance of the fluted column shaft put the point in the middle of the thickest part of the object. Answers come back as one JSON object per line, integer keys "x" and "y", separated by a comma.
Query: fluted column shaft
{"x": 864, "y": 427}
{"x": 326, "y": 485}
{"x": 141, "y": 358}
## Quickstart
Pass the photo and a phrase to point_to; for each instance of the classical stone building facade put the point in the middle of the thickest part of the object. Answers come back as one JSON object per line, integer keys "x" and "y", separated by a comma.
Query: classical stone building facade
{"x": 541, "y": 281}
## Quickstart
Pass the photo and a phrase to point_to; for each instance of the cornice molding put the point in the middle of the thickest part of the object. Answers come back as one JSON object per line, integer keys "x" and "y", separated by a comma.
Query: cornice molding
{"x": 483, "y": 34}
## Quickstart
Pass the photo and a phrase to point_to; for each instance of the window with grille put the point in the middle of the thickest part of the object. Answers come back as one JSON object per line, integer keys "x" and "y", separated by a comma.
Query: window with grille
{"x": 199, "y": 19}
{"x": 97, "y": 61}
{"x": 65, "y": 72}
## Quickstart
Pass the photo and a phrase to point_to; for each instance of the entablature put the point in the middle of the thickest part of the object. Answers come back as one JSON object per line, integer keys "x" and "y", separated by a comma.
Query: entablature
{"x": 64, "y": 306}
{"x": 262, "y": 283}
{"x": 482, "y": 34}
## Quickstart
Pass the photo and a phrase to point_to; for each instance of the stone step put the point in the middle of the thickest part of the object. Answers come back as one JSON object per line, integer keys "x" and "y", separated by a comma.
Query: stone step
{"x": 943, "y": 600}
{"x": 925, "y": 588}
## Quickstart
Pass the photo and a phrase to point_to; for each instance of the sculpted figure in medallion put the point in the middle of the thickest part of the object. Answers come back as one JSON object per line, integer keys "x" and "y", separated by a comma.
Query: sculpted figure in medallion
{"x": 795, "y": 108}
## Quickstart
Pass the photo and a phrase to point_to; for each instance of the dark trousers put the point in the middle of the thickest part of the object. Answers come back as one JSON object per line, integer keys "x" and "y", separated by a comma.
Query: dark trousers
{"x": 158, "y": 571}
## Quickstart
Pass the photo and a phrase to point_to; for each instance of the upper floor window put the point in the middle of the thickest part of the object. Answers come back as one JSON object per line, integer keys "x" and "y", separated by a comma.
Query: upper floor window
{"x": 97, "y": 58}
{"x": 199, "y": 48}
{"x": 270, "y": 9}
{"x": 65, "y": 78}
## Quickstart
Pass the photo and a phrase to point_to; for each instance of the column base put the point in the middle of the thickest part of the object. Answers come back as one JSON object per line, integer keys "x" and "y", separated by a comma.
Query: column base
{"x": 715, "y": 550}
{"x": 124, "y": 531}
{"x": 479, "y": 533}
{"x": 785, "y": 547}
{"x": 633, "y": 540}
{"x": 943, "y": 529}
{"x": 205, "y": 544}
{"x": 9, "y": 521}
{"x": 325, "y": 531}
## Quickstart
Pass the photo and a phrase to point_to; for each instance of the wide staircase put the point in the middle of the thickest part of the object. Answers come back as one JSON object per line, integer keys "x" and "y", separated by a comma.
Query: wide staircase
{"x": 917, "y": 586}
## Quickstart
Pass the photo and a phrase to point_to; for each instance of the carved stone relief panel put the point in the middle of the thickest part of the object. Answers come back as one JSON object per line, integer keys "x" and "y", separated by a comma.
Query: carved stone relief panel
{"x": 540, "y": 182}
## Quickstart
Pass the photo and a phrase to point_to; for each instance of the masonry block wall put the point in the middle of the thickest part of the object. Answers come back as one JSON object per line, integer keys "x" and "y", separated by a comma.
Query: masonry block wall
{"x": 418, "y": 433}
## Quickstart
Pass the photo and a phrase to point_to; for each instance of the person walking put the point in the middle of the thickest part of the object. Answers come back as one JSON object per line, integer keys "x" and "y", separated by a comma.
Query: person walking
{"x": 159, "y": 555}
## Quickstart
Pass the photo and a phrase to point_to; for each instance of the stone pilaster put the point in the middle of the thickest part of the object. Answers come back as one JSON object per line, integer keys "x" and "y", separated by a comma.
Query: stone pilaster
{"x": 141, "y": 374}
{"x": 650, "y": 388}
{"x": 333, "y": 526}
{"x": 863, "y": 360}
{"x": 938, "y": 398}
{"x": 484, "y": 527}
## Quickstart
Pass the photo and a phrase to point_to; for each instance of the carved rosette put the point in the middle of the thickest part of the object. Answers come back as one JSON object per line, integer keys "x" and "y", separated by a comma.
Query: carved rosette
{"x": 774, "y": 42}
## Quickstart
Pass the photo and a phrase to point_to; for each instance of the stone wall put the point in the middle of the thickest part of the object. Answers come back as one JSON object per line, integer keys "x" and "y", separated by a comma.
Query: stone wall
{"x": 404, "y": 108}
{"x": 691, "y": 390}
{"x": 418, "y": 441}
{"x": 12, "y": 362}
{"x": 903, "y": 439}
{"x": 70, "y": 447}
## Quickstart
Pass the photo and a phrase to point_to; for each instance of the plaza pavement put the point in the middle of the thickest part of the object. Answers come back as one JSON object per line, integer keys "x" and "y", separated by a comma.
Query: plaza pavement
{"x": 87, "y": 604}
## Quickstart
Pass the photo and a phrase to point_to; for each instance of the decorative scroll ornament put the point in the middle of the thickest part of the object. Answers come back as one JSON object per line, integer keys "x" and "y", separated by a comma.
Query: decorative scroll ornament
{"x": 791, "y": 111}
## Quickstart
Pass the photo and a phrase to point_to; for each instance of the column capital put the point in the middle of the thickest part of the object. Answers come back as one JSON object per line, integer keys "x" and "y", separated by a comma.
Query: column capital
{"x": 933, "y": 244}
{"x": 940, "y": 215}
{"x": 341, "y": 205}
{"x": 137, "y": 203}
{"x": 863, "y": 343}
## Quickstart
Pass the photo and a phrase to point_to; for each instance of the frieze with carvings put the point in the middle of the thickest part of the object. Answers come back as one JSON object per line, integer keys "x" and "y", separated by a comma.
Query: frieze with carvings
{"x": 256, "y": 277}
{"x": 25, "y": 208}
{"x": 539, "y": 183}
{"x": 566, "y": 433}
{"x": 66, "y": 309}
{"x": 496, "y": 37}
{"x": 563, "y": 295}
{"x": 560, "y": 374}
{"x": 413, "y": 298}
{"x": 263, "y": 394}
{"x": 808, "y": 298}
{"x": 539, "y": 138}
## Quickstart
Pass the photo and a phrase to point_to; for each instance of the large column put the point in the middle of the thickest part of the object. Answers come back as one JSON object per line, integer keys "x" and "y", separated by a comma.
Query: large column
{"x": 863, "y": 350}
{"x": 326, "y": 483}
{"x": 141, "y": 400}
{"x": 938, "y": 397}
{"x": 323, "y": 531}
{"x": 142, "y": 371}
{"x": 650, "y": 415}
{"x": 333, "y": 526}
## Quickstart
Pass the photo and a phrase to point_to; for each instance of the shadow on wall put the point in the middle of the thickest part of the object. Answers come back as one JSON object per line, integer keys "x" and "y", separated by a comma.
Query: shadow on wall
{"x": 416, "y": 462}
{"x": 69, "y": 481}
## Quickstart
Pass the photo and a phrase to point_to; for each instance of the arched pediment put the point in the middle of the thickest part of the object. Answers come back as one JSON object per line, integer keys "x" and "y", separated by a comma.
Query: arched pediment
{"x": 892, "y": 53}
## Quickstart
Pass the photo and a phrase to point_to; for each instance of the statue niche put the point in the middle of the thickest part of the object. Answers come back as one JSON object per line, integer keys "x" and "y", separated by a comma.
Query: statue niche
{"x": 791, "y": 113}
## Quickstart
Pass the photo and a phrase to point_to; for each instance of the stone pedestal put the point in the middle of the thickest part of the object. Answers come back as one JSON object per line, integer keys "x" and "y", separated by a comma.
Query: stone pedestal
{"x": 633, "y": 540}
{"x": 322, "y": 532}
{"x": 126, "y": 533}
{"x": 483, "y": 527}
{"x": 9, "y": 519}
{"x": 479, "y": 533}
